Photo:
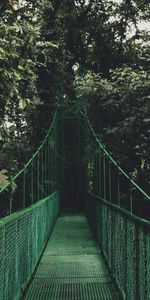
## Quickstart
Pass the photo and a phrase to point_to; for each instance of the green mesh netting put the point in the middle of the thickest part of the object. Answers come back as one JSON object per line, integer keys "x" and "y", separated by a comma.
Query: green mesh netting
{"x": 23, "y": 236}
{"x": 118, "y": 211}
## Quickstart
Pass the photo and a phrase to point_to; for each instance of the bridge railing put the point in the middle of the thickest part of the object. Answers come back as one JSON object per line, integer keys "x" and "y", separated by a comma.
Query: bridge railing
{"x": 109, "y": 181}
{"x": 23, "y": 236}
{"x": 26, "y": 222}
{"x": 117, "y": 209}
{"x": 35, "y": 181}
{"x": 125, "y": 243}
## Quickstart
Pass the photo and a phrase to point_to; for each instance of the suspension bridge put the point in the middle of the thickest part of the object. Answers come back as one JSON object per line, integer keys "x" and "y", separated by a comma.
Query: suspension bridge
{"x": 77, "y": 226}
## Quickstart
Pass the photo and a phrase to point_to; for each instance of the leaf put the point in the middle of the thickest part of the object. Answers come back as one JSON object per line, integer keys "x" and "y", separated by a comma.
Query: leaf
{"x": 47, "y": 44}
{"x": 146, "y": 120}
{"x": 22, "y": 104}
{"x": 4, "y": 171}
{"x": 21, "y": 68}
{"x": 4, "y": 180}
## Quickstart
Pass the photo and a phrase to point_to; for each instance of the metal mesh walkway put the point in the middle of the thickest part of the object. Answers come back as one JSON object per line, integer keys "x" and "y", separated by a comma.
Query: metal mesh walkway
{"x": 72, "y": 267}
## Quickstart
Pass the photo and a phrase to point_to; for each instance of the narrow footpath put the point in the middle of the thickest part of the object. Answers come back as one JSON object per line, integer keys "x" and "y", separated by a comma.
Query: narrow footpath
{"x": 71, "y": 267}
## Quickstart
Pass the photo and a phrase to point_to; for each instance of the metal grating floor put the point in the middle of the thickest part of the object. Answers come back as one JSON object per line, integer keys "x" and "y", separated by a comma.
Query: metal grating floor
{"x": 72, "y": 267}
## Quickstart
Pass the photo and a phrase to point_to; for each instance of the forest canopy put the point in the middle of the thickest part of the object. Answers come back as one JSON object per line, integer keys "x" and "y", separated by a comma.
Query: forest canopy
{"x": 90, "y": 51}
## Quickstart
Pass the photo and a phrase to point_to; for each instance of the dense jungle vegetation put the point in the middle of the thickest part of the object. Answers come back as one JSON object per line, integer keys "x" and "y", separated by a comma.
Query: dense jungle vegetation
{"x": 92, "y": 52}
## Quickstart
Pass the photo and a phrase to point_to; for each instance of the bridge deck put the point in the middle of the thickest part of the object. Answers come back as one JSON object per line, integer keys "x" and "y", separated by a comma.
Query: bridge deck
{"x": 71, "y": 267}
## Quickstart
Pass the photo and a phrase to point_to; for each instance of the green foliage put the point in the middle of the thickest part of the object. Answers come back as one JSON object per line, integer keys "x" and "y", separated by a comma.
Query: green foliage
{"x": 42, "y": 43}
{"x": 120, "y": 110}
{"x": 24, "y": 52}
{"x": 4, "y": 180}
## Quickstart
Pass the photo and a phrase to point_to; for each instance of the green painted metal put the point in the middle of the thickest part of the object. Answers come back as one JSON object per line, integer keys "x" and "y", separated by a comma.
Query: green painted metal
{"x": 125, "y": 242}
{"x": 120, "y": 227}
{"x": 72, "y": 267}
{"x": 108, "y": 180}
{"x": 23, "y": 236}
{"x": 112, "y": 206}
{"x": 33, "y": 182}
